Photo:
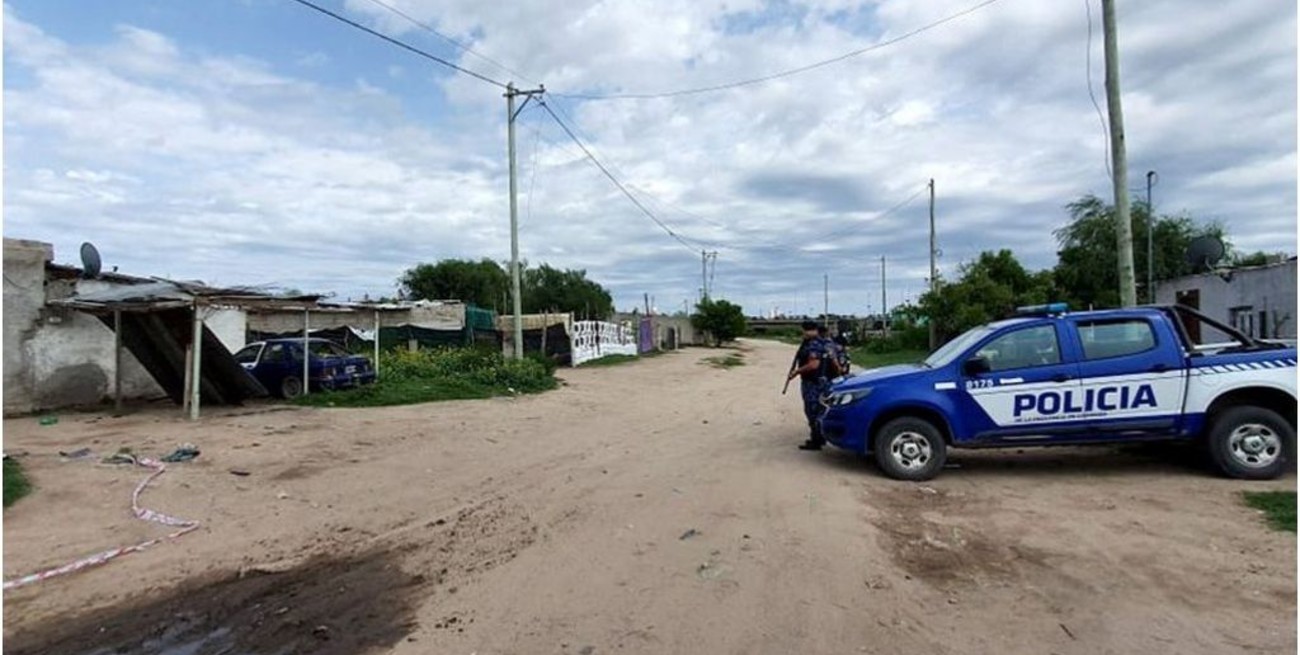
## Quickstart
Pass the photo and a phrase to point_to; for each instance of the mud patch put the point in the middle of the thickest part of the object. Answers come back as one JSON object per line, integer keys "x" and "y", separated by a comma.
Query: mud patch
{"x": 937, "y": 536}
{"x": 297, "y": 472}
{"x": 327, "y": 607}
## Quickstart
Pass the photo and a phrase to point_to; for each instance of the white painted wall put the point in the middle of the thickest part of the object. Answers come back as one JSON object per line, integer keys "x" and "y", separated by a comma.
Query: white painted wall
{"x": 230, "y": 325}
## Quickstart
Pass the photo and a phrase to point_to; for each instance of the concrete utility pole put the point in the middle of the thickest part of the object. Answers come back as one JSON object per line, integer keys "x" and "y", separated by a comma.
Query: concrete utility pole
{"x": 884, "y": 302}
{"x": 934, "y": 269}
{"x": 517, "y": 301}
{"x": 826, "y": 300}
{"x": 1119, "y": 160}
{"x": 1151, "y": 226}
{"x": 705, "y": 256}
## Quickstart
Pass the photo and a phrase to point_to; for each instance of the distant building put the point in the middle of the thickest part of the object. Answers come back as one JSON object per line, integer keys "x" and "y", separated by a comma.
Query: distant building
{"x": 1258, "y": 300}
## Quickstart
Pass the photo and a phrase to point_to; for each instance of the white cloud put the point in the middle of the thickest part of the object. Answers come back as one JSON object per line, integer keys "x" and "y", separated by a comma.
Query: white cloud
{"x": 224, "y": 167}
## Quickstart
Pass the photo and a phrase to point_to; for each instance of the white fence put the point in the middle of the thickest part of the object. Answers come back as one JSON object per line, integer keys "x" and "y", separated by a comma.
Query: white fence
{"x": 595, "y": 339}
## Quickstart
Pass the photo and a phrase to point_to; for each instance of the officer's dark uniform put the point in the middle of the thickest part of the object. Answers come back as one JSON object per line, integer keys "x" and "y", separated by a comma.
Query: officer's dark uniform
{"x": 811, "y": 385}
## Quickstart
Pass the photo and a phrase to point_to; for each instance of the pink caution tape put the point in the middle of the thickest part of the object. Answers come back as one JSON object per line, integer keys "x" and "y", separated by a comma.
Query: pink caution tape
{"x": 141, "y": 513}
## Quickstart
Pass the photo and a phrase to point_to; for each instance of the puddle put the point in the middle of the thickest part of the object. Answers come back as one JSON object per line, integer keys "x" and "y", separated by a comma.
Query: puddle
{"x": 325, "y": 607}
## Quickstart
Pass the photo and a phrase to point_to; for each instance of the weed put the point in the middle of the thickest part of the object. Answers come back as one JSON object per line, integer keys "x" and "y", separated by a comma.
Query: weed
{"x": 15, "y": 482}
{"x": 1278, "y": 507}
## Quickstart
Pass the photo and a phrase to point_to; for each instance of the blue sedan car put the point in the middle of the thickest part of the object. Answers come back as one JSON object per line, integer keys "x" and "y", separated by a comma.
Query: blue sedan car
{"x": 277, "y": 364}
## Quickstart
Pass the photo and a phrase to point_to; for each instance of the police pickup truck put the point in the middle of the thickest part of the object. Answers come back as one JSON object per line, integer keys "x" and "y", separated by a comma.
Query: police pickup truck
{"x": 1054, "y": 377}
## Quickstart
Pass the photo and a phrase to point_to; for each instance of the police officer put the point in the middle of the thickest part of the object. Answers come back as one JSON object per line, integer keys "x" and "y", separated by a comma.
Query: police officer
{"x": 810, "y": 366}
{"x": 842, "y": 353}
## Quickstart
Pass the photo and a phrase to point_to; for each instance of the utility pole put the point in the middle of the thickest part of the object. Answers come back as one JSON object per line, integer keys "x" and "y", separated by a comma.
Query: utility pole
{"x": 1119, "y": 160}
{"x": 704, "y": 275}
{"x": 1151, "y": 226}
{"x": 884, "y": 303}
{"x": 826, "y": 300}
{"x": 934, "y": 270}
{"x": 705, "y": 256}
{"x": 518, "y": 301}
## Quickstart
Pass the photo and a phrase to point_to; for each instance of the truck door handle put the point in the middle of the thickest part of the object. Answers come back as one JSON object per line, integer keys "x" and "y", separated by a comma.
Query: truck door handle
{"x": 1061, "y": 377}
{"x": 1159, "y": 368}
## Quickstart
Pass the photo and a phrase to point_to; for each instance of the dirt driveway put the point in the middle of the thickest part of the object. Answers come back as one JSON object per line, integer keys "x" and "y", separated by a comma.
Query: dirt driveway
{"x": 654, "y": 507}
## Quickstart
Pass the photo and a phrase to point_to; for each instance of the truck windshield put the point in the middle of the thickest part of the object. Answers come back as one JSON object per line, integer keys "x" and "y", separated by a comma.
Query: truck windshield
{"x": 949, "y": 351}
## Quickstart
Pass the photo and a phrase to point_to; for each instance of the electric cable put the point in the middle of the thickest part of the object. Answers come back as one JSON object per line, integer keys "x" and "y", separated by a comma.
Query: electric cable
{"x": 399, "y": 43}
{"x": 785, "y": 73}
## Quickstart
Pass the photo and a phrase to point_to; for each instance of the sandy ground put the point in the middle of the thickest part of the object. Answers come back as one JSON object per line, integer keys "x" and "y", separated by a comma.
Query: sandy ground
{"x": 559, "y": 524}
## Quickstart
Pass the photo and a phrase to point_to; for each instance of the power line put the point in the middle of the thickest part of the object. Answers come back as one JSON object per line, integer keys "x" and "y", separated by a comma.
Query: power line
{"x": 663, "y": 226}
{"x": 785, "y": 73}
{"x": 398, "y": 43}
{"x": 1105, "y": 131}
{"x": 883, "y": 214}
{"x": 432, "y": 30}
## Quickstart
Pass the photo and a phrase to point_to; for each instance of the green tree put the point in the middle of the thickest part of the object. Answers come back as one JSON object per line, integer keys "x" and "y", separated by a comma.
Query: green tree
{"x": 721, "y": 320}
{"x": 987, "y": 288}
{"x": 483, "y": 283}
{"x": 1086, "y": 269}
{"x": 547, "y": 289}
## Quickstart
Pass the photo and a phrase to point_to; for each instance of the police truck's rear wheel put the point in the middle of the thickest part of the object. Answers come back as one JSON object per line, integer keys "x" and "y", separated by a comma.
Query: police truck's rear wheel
{"x": 910, "y": 449}
{"x": 1250, "y": 443}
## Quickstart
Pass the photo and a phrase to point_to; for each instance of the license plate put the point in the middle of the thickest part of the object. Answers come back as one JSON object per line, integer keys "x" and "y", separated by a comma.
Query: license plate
{"x": 349, "y": 369}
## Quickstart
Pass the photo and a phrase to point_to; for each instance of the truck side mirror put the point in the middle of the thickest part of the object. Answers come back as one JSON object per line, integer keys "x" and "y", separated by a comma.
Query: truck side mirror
{"x": 976, "y": 366}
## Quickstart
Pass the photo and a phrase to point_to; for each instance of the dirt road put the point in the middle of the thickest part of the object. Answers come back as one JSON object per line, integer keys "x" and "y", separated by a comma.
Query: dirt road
{"x": 654, "y": 507}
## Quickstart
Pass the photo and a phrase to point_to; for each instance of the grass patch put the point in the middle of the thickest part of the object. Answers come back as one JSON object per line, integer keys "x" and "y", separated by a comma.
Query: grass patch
{"x": 408, "y": 378}
{"x": 864, "y": 360}
{"x": 15, "y": 481}
{"x": 609, "y": 360}
{"x": 725, "y": 361}
{"x": 1278, "y": 507}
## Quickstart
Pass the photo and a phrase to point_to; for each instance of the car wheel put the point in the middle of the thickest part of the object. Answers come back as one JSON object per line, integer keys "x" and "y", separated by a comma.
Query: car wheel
{"x": 1250, "y": 443}
{"x": 290, "y": 387}
{"x": 910, "y": 449}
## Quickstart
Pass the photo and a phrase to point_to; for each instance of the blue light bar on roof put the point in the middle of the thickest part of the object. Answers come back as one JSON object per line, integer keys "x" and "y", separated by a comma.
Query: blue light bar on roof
{"x": 1039, "y": 310}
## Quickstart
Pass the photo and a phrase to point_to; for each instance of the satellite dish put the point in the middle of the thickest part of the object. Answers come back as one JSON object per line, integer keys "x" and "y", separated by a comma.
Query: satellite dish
{"x": 1203, "y": 253}
{"x": 91, "y": 265}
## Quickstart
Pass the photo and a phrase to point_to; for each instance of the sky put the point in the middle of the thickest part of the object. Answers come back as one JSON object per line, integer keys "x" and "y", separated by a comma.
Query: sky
{"x": 258, "y": 142}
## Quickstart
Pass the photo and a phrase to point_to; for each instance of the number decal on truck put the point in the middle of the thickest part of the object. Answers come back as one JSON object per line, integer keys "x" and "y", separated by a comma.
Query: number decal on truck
{"x": 979, "y": 384}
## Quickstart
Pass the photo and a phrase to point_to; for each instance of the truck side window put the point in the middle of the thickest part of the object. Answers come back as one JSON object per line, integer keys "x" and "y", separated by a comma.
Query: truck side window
{"x": 1024, "y": 348}
{"x": 1115, "y": 338}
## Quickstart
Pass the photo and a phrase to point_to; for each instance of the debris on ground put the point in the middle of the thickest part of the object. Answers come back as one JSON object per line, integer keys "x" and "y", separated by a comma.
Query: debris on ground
{"x": 80, "y": 453}
{"x": 49, "y": 420}
{"x": 688, "y": 534}
{"x": 123, "y": 455}
{"x": 240, "y": 472}
{"x": 183, "y": 453}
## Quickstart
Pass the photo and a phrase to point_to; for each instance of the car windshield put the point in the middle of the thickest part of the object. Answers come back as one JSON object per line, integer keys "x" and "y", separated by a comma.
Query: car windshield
{"x": 249, "y": 354}
{"x": 949, "y": 351}
{"x": 326, "y": 349}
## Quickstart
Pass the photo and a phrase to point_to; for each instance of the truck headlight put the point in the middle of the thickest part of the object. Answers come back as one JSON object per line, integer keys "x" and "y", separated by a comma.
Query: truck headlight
{"x": 842, "y": 398}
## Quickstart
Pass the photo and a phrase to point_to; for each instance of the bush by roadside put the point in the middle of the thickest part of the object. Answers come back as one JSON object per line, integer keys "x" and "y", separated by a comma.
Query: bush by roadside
{"x": 407, "y": 377}
{"x": 15, "y": 482}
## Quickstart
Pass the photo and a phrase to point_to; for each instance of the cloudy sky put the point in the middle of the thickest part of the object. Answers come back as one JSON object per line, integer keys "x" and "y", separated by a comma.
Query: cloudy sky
{"x": 259, "y": 142}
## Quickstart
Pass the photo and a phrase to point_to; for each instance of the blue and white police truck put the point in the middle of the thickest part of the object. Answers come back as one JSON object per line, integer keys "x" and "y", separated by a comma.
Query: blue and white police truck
{"x": 1053, "y": 377}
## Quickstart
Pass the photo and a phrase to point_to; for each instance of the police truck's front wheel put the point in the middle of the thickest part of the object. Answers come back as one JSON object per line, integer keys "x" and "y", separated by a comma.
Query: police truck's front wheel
{"x": 910, "y": 449}
{"x": 1250, "y": 443}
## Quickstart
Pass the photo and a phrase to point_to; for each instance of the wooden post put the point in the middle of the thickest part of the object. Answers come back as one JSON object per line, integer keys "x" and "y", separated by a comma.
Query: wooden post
{"x": 189, "y": 371}
{"x": 196, "y": 374}
{"x": 306, "y": 351}
{"x": 117, "y": 362}
{"x": 546, "y": 323}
